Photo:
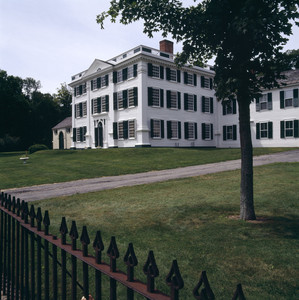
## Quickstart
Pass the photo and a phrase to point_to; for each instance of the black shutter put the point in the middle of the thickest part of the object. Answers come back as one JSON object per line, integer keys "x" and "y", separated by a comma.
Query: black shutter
{"x": 167, "y": 73}
{"x": 135, "y": 70}
{"x": 91, "y": 84}
{"x": 211, "y": 83}
{"x": 194, "y": 79}
{"x": 203, "y": 131}
{"x": 282, "y": 129}
{"x": 84, "y": 133}
{"x": 135, "y": 91}
{"x": 107, "y": 79}
{"x": 161, "y": 72}
{"x": 234, "y": 132}
{"x": 126, "y": 129}
{"x": 152, "y": 128}
{"x": 115, "y": 106}
{"x": 150, "y": 69}
{"x": 202, "y": 81}
{"x": 92, "y": 112}
{"x": 162, "y": 129}
{"x": 203, "y": 104}
{"x": 195, "y": 126}
{"x": 185, "y": 77}
{"x": 258, "y": 136}
{"x": 178, "y": 76}
{"x": 179, "y": 100}
{"x": 195, "y": 102}
{"x": 75, "y": 91}
{"x": 234, "y": 106}
{"x": 81, "y": 134}
{"x": 80, "y": 89}
{"x": 295, "y": 96}
{"x": 269, "y": 101}
{"x": 180, "y": 129}
{"x": 125, "y": 98}
{"x": 150, "y": 96}
{"x": 168, "y": 102}
{"x": 224, "y": 133}
{"x": 169, "y": 129}
{"x": 107, "y": 102}
{"x": 114, "y": 77}
{"x": 186, "y": 130}
{"x": 185, "y": 101}
{"x": 296, "y": 128}
{"x": 212, "y": 131}
{"x": 96, "y": 136}
{"x": 161, "y": 98}
{"x": 270, "y": 130}
{"x": 115, "y": 135}
{"x": 125, "y": 74}
{"x": 281, "y": 99}
{"x": 74, "y": 135}
{"x": 99, "y": 105}
{"x": 80, "y": 109}
{"x": 211, "y": 106}
{"x": 257, "y": 104}
{"x": 224, "y": 104}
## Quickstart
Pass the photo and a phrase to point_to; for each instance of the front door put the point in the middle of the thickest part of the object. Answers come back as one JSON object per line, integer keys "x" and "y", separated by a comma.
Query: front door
{"x": 61, "y": 140}
{"x": 99, "y": 135}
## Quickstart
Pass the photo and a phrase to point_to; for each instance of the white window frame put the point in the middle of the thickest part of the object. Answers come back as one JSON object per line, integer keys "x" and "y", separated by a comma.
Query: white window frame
{"x": 190, "y": 102}
{"x": 173, "y": 75}
{"x": 156, "y": 71}
{"x": 191, "y": 131}
{"x": 131, "y": 72}
{"x": 131, "y": 129}
{"x": 120, "y": 103}
{"x": 156, "y": 129}
{"x": 228, "y": 106}
{"x": 206, "y": 82}
{"x": 156, "y": 97}
{"x": 173, "y": 100}
{"x": 288, "y": 98}
{"x": 289, "y": 129}
{"x": 207, "y": 105}
{"x": 229, "y": 133}
{"x": 120, "y": 130}
{"x": 174, "y": 125}
{"x": 264, "y": 130}
{"x": 208, "y": 131}
{"x": 131, "y": 98}
{"x": 84, "y": 109}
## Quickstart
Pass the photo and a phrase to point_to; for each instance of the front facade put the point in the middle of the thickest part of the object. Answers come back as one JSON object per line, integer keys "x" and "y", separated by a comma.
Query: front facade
{"x": 142, "y": 99}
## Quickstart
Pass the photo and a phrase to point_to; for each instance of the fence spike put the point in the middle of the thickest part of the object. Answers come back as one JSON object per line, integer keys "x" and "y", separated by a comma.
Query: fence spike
{"x": 14, "y": 204}
{"x": 25, "y": 212}
{"x": 113, "y": 253}
{"x": 32, "y": 215}
{"x": 131, "y": 261}
{"x": 22, "y": 209}
{"x": 39, "y": 219}
{"x": 98, "y": 246}
{"x": 18, "y": 207}
{"x": 63, "y": 230}
{"x": 85, "y": 240}
{"x": 9, "y": 203}
{"x": 74, "y": 235}
{"x": 1, "y": 198}
{"x": 206, "y": 292}
{"x": 151, "y": 270}
{"x": 239, "y": 293}
{"x": 46, "y": 222}
{"x": 174, "y": 280}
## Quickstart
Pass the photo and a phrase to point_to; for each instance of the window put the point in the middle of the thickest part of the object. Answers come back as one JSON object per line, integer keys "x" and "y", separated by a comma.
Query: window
{"x": 229, "y": 107}
{"x": 207, "y": 105}
{"x": 120, "y": 130}
{"x": 99, "y": 82}
{"x": 84, "y": 109}
{"x": 190, "y": 102}
{"x": 79, "y": 134}
{"x": 123, "y": 98}
{"x": 190, "y": 130}
{"x": 289, "y": 98}
{"x": 230, "y": 132}
{"x": 100, "y": 105}
{"x": 132, "y": 129}
{"x": 173, "y": 100}
{"x": 80, "y": 90}
{"x": 155, "y": 97}
{"x": 120, "y": 100}
{"x": 155, "y": 71}
{"x": 173, "y": 75}
{"x": 81, "y": 109}
{"x": 264, "y": 130}
{"x": 206, "y": 82}
{"x": 289, "y": 129}
{"x": 173, "y": 130}
{"x": 125, "y": 74}
{"x": 207, "y": 131}
{"x": 133, "y": 97}
{"x": 190, "y": 79}
{"x": 157, "y": 129}
{"x": 264, "y": 102}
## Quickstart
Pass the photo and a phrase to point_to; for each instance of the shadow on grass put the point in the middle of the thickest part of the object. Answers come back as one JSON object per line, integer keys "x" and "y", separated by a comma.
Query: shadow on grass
{"x": 285, "y": 227}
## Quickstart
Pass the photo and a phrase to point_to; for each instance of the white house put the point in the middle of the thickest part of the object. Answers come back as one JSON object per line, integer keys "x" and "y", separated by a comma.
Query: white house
{"x": 62, "y": 134}
{"x": 142, "y": 99}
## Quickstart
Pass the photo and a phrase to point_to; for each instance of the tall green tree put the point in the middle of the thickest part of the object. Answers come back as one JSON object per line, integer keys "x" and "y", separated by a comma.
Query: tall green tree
{"x": 64, "y": 99}
{"x": 245, "y": 36}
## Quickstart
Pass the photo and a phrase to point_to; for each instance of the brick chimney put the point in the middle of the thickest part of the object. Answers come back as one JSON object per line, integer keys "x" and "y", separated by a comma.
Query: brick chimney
{"x": 166, "y": 46}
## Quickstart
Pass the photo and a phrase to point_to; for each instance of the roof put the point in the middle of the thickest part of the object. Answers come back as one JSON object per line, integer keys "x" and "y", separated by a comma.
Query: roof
{"x": 66, "y": 123}
{"x": 292, "y": 77}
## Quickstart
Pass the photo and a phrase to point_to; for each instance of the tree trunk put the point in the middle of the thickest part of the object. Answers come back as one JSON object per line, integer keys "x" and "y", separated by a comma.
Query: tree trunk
{"x": 246, "y": 191}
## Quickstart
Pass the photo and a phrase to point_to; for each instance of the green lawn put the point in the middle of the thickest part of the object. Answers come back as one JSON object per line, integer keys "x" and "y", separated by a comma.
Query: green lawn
{"x": 189, "y": 220}
{"x": 57, "y": 166}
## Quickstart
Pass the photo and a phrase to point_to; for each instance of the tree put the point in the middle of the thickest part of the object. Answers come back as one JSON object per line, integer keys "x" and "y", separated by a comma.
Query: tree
{"x": 64, "y": 99}
{"x": 246, "y": 38}
{"x": 30, "y": 85}
{"x": 291, "y": 59}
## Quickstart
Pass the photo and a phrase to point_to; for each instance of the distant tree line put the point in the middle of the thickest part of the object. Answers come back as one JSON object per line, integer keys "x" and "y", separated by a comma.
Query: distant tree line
{"x": 26, "y": 114}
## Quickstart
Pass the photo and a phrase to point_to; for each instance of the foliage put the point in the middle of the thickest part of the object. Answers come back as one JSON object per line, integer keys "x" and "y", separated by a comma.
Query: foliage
{"x": 246, "y": 36}
{"x": 37, "y": 147}
{"x": 27, "y": 115}
{"x": 291, "y": 59}
{"x": 64, "y": 99}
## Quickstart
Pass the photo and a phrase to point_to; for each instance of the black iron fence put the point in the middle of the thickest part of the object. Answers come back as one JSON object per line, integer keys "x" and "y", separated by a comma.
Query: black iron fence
{"x": 34, "y": 263}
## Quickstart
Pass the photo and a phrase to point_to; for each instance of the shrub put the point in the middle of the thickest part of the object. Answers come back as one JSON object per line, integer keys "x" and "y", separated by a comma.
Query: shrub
{"x": 37, "y": 147}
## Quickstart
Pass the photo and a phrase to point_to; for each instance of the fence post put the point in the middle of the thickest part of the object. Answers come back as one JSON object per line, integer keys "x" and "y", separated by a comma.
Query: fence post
{"x": 175, "y": 281}
{"x": 63, "y": 231}
{"x": 98, "y": 247}
{"x": 32, "y": 248}
{"x": 74, "y": 236}
{"x": 131, "y": 261}
{"x": 46, "y": 222}
{"x": 85, "y": 242}
{"x": 113, "y": 253}
{"x": 39, "y": 219}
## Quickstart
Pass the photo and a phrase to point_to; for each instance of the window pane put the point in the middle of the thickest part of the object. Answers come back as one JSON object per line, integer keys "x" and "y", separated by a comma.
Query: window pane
{"x": 156, "y": 97}
{"x": 173, "y": 100}
{"x": 156, "y": 71}
{"x": 132, "y": 129}
{"x": 121, "y": 130}
{"x": 157, "y": 128}
{"x": 174, "y": 129}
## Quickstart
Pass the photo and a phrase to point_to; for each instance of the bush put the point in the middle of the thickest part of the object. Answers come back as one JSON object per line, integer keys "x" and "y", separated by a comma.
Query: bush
{"x": 37, "y": 147}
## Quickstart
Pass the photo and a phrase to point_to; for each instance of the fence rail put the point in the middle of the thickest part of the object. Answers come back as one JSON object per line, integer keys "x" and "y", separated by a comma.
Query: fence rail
{"x": 26, "y": 251}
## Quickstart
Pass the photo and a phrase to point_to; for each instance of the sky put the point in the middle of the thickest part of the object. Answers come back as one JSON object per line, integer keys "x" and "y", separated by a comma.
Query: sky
{"x": 51, "y": 40}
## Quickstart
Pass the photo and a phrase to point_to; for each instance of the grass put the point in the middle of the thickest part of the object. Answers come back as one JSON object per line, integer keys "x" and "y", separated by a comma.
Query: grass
{"x": 58, "y": 166}
{"x": 189, "y": 220}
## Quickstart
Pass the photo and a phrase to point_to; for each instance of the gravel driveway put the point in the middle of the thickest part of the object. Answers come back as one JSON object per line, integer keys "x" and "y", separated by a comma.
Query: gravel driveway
{"x": 45, "y": 191}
